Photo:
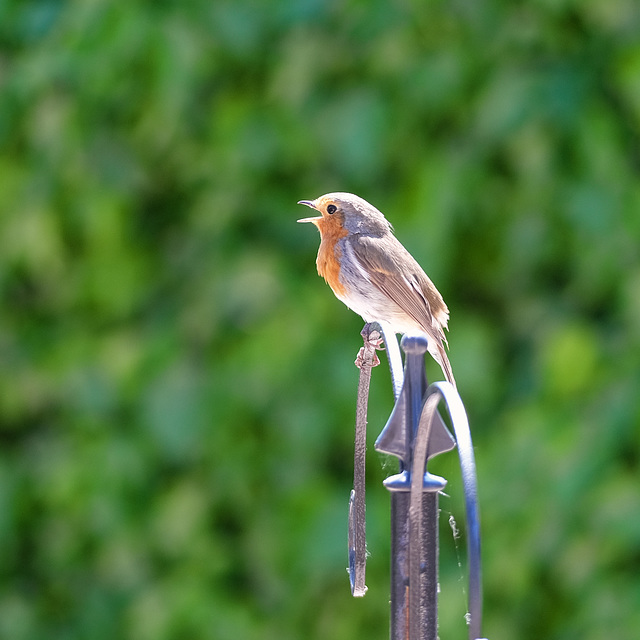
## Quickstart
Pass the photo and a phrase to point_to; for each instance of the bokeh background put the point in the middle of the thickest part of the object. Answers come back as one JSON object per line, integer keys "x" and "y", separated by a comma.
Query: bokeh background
{"x": 177, "y": 389}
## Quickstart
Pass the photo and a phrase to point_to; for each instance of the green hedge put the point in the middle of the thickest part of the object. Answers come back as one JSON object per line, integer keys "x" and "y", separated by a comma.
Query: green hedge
{"x": 177, "y": 392}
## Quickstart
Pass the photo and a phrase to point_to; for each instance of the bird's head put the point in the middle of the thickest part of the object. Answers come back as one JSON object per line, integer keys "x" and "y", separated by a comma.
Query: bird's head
{"x": 346, "y": 211}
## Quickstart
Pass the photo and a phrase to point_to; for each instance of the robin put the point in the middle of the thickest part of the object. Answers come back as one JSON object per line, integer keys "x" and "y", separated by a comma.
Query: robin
{"x": 374, "y": 275}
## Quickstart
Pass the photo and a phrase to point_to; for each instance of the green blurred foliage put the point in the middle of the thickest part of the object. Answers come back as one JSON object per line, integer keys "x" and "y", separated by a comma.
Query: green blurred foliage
{"x": 177, "y": 393}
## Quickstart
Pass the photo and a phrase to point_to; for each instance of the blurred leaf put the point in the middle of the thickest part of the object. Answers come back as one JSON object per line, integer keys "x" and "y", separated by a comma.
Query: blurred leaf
{"x": 177, "y": 393}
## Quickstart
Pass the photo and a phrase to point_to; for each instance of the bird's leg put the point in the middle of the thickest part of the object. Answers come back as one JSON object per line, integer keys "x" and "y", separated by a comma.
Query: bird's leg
{"x": 372, "y": 337}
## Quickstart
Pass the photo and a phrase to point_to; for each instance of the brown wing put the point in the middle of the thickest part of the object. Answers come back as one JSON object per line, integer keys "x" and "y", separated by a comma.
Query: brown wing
{"x": 393, "y": 270}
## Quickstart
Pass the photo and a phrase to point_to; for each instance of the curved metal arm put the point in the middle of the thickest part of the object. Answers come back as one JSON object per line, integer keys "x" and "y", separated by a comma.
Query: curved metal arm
{"x": 365, "y": 360}
{"x": 395, "y": 359}
{"x": 447, "y": 392}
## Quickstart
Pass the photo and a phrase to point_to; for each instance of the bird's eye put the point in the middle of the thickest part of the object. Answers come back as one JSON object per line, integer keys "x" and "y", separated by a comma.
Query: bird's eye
{"x": 332, "y": 209}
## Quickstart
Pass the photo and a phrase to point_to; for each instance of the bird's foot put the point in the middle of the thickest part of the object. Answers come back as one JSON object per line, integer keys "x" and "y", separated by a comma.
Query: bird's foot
{"x": 372, "y": 340}
{"x": 361, "y": 359}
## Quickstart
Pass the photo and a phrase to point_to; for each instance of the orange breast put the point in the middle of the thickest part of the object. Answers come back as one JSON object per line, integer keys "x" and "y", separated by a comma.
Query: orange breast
{"x": 329, "y": 254}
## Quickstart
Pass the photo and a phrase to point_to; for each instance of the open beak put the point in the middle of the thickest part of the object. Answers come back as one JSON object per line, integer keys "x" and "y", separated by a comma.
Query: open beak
{"x": 309, "y": 203}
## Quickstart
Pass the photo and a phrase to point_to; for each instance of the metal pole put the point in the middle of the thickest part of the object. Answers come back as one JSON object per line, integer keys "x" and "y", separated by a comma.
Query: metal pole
{"x": 414, "y": 605}
{"x": 423, "y": 621}
{"x": 415, "y": 433}
{"x": 399, "y": 563}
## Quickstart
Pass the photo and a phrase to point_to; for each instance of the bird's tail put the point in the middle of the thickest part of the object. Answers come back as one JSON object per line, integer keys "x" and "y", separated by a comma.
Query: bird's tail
{"x": 440, "y": 356}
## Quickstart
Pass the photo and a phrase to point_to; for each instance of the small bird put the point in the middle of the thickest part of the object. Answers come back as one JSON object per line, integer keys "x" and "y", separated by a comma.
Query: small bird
{"x": 374, "y": 275}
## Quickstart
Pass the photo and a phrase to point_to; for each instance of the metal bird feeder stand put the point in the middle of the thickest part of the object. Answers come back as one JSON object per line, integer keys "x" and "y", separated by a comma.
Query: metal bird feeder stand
{"x": 414, "y": 433}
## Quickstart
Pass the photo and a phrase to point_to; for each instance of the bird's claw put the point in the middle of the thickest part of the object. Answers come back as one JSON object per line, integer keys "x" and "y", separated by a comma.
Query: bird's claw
{"x": 373, "y": 340}
{"x": 360, "y": 359}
